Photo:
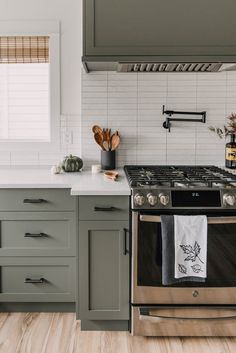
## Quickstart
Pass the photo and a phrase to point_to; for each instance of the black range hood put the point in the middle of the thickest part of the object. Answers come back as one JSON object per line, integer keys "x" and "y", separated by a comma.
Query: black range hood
{"x": 159, "y": 35}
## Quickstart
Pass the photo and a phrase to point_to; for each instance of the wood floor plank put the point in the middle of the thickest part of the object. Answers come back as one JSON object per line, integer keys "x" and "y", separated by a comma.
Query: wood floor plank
{"x": 230, "y": 343}
{"x": 87, "y": 341}
{"x": 11, "y": 332}
{"x": 217, "y": 345}
{"x": 113, "y": 342}
{"x": 74, "y": 336}
{"x": 204, "y": 345}
{"x": 36, "y": 329}
{"x": 60, "y": 333}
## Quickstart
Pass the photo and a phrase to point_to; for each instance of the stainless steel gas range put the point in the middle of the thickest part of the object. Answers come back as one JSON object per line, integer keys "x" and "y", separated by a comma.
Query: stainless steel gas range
{"x": 189, "y": 308}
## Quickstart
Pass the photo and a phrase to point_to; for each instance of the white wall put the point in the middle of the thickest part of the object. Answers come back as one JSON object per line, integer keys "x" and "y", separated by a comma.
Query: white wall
{"x": 132, "y": 103}
{"x": 69, "y": 13}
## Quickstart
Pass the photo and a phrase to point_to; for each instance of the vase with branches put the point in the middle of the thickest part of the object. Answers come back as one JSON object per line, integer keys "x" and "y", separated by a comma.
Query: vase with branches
{"x": 228, "y": 130}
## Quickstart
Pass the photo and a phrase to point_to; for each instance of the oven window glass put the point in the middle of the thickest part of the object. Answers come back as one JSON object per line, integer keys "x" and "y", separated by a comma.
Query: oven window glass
{"x": 221, "y": 256}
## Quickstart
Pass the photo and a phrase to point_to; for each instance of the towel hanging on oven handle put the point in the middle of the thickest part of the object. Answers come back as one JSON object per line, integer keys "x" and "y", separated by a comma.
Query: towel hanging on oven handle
{"x": 210, "y": 220}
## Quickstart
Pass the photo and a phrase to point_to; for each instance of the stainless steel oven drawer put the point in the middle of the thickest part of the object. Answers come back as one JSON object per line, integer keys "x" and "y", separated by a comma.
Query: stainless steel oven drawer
{"x": 183, "y": 321}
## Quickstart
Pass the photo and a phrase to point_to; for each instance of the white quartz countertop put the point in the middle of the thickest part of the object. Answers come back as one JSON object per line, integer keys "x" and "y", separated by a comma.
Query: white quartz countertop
{"x": 82, "y": 183}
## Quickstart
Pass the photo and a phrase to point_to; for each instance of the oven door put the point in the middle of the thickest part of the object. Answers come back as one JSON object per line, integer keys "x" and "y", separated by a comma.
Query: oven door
{"x": 220, "y": 285}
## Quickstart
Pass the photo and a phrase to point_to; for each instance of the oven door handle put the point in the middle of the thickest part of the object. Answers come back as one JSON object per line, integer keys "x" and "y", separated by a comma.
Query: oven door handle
{"x": 144, "y": 315}
{"x": 210, "y": 220}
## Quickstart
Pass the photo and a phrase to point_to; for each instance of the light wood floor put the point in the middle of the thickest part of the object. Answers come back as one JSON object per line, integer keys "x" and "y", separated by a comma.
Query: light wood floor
{"x": 60, "y": 333}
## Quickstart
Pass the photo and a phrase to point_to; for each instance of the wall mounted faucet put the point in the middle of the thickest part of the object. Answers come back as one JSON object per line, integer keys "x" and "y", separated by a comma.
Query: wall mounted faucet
{"x": 169, "y": 113}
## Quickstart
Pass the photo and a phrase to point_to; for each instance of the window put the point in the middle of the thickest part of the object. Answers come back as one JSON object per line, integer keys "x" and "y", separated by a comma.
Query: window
{"x": 29, "y": 89}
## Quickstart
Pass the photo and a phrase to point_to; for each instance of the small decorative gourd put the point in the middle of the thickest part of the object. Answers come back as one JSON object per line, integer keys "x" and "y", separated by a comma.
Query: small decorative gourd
{"x": 72, "y": 164}
{"x": 56, "y": 169}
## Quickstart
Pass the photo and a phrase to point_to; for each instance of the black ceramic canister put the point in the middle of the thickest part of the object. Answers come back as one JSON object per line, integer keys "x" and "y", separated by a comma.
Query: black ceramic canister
{"x": 108, "y": 160}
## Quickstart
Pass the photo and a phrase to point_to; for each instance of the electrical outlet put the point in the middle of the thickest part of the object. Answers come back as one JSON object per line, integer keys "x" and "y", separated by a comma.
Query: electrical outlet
{"x": 68, "y": 137}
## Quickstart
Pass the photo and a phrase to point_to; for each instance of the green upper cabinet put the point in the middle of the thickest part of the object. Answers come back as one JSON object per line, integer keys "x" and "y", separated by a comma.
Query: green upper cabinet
{"x": 184, "y": 28}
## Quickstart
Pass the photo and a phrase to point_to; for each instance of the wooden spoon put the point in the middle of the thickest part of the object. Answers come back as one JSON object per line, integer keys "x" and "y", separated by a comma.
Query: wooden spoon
{"x": 115, "y": 141}
{"x": 96, "y": 129}
{"x": 106, "y": 145}
{"x": 99, "y": 139}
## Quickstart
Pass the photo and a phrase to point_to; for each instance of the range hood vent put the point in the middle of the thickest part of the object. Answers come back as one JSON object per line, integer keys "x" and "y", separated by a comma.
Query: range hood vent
{"x": 169, "y": 67}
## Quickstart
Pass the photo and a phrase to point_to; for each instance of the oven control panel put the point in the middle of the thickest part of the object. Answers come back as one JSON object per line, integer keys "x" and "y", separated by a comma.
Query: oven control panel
{"x": 186, "y": 199}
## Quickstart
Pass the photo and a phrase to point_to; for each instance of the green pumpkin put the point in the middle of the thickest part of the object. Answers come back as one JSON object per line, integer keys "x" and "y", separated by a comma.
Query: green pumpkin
{"x": 72, "y": 164}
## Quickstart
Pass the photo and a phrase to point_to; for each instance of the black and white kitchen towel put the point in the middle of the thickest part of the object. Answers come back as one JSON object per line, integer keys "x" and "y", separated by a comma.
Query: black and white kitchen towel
{"x": 190, "y": 240}
{"x": 168, "y": 254}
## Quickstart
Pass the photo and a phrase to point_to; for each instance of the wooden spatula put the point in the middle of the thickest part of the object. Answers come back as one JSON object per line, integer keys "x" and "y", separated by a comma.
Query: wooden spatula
{"x": 115, "y": 141}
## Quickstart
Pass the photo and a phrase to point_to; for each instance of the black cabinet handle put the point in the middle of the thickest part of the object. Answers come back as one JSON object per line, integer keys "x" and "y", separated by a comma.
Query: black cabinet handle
{"x": 35, "y": 280}
{"x": 104, "y": 209}
{"x": 34, "y": 201}
{"x": 125, "y": 250}
{"x": 35, "y": 235}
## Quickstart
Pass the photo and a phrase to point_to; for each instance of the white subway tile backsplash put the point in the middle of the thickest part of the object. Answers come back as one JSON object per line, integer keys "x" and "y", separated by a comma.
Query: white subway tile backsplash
{"x": 132, "y": 103}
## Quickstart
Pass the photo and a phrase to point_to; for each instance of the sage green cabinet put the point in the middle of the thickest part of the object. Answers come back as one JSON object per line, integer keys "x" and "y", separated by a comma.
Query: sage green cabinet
{"x": 38, "y": 241}
{"x": 36, "y": 200}
{"x": 37, "y": 234}
{"x": 37, "y": 279}
{"x": 124, "y": 28}
{"x": 104, "y": 270}
{"x": 98, "y": 208}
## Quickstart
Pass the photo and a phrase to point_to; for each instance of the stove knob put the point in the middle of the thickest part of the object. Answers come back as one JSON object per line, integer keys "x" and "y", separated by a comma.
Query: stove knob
{"x": 139, "y": 199}
{"x": 164, "y": 199}
{"x": 152, "y": 199}
{"x": 229, "y": 200}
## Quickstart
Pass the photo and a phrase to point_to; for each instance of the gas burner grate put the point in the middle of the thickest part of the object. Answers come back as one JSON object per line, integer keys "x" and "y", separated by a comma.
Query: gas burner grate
{"x": 179, "y": 176}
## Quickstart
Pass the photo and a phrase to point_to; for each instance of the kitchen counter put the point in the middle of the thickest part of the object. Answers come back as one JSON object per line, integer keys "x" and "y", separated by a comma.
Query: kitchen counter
{"x": 82, "y": 183}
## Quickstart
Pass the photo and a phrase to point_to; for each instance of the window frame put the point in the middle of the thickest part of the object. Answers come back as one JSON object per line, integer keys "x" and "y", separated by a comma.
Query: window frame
{"x": 37, "y": 28}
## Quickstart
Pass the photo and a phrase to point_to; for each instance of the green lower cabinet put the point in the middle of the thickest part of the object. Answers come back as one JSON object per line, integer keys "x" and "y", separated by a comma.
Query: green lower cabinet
{"x": 103, "y": 271}
{"x": 37, "y": 279}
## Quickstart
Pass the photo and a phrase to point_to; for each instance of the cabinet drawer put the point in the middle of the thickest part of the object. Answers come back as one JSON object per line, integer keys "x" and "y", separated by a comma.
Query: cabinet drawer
{"x": 53, "y": 235}
{"x": 37, "y": 279}
{"x": 103, "y": 208}
{"x": 36, "y": 200}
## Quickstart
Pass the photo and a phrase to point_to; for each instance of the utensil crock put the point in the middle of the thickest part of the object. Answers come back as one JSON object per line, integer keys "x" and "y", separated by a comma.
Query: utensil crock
{"x": 108, "y": 160}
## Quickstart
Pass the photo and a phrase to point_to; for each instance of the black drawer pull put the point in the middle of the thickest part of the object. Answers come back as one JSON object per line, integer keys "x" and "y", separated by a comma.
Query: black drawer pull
{"x": 34, "y": 200}
{"x": 35, "y": 235}
{"x": 35, "y": 280}
{"x": 104, "y": 209}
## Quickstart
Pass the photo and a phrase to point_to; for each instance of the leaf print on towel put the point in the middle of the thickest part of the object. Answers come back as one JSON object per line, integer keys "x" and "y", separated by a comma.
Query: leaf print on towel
{"x": 182, "y": 268}
{"x": 192, "y": 252}
{"x": 196, "y": 268}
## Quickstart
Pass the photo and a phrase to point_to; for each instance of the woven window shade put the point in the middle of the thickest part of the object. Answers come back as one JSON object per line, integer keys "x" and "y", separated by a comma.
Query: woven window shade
{"x": 24, "y": 49}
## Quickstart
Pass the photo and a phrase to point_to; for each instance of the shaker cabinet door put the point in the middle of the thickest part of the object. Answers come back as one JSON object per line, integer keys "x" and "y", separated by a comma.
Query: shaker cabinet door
{"x": 159, "y": 27}
{"x": 103, "y": 270}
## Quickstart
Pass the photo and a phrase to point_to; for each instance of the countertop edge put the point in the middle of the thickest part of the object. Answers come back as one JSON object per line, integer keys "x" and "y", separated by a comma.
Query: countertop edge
{"x": 99, "y": 193}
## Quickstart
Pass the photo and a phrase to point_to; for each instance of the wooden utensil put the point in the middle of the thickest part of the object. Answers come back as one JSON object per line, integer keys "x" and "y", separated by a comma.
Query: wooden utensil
{"x": 106, "y": 134}
{"x": 109, "y": 136}
{"x": 113, "y": 175}
{"x": 96, "y": 129}
{"x": 99, "y": 139}
{"x": 115, "y": 141}
{"x": 106, "y": 145}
